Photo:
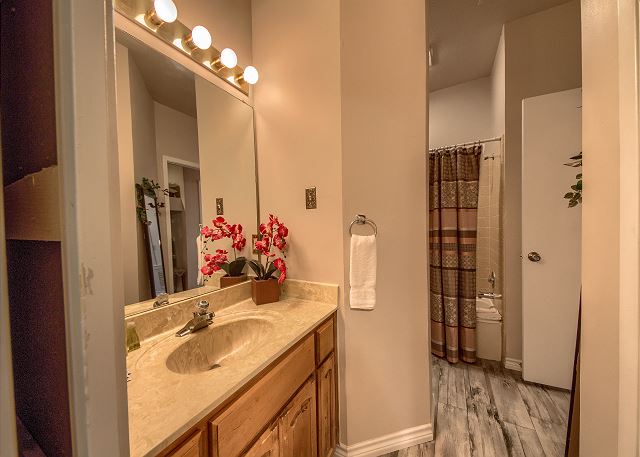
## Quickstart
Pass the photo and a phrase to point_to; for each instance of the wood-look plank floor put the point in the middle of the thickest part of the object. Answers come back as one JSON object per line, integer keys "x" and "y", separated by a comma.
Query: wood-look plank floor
{"x": 484, "y": 410}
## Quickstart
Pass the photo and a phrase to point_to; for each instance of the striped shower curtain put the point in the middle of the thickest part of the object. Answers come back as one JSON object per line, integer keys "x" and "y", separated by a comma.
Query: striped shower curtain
{"x": 453, "y": 214}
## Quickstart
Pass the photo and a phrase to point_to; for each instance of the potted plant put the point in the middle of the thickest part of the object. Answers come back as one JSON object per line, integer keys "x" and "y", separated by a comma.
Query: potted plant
{"x": 220, "y": 260}
{"x": 265, "y": 288}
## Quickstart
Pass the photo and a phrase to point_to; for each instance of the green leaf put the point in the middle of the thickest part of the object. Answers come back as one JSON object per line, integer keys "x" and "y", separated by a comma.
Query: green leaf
{"x": 256, "y": 267}
{"x": 576, "y": 157}
{"x": 236, "y": 267}
{"x": 579, "y": 176}
{"x": 225, "y": 267}
{"x": 579, "y": 185}
{"x": 270, "y": 271}
{"x": 568, "y": 195}
{"x": 572, "y": 203}
{"x": 575, "y": 187}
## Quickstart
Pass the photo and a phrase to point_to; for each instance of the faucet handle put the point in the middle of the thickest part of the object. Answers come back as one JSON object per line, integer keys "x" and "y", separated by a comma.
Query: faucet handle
{"x": 202, "y": 308}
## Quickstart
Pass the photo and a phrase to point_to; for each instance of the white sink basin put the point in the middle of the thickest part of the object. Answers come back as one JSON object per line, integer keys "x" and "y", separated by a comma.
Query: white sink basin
{"x": 209, "y": 348}
{"x": 228, "y": 338}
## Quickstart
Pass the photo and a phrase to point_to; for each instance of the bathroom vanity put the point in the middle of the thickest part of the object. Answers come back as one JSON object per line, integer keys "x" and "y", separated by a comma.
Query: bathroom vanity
{"x": 260, "y": 381}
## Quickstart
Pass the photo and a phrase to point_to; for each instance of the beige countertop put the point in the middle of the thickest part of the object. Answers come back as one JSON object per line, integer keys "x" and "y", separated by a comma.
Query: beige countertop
{"x": 164, "y": 404}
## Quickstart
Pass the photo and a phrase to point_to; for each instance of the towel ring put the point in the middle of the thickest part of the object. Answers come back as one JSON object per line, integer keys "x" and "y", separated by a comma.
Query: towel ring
{"x": 361, "y": 219}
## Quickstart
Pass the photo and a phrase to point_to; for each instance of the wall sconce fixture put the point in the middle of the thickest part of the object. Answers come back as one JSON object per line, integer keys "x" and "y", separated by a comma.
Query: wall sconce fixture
{"x": 161, "y": 12}
{"x": 250, "y": 75}
{"x": 199, "y": 38}
{"x": 228, "y": 59}
{"x": 160, "y": 17}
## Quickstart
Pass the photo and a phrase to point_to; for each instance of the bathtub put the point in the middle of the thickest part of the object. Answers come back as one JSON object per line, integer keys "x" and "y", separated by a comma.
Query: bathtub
{"x": 489, "y": 328}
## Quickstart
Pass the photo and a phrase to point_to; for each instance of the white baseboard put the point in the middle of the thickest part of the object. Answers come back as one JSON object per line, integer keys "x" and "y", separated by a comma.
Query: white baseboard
{"x": 513, "y": 364}
{"x": 387, "y": 443}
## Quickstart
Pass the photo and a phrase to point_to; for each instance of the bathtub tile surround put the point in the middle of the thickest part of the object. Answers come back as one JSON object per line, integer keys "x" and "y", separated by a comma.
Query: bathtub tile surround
{"x": 167, "y": 395}
{"x": 483, "y": 409}
{"x": 489, "y": 250}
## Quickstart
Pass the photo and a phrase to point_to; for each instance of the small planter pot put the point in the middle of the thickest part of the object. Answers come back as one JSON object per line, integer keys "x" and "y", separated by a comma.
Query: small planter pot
{"x": 226, "y": 280}
{"x": 265, "y": 291}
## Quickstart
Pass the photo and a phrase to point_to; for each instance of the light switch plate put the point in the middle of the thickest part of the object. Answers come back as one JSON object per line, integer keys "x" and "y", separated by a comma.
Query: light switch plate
{"x": 219, "y": 206}
{"x": 310, "y": 198}
{"x": 254, "y": 238}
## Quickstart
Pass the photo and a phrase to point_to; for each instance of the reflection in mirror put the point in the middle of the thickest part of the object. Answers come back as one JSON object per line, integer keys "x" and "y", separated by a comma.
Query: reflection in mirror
{"x": 186, "y": 155}
{"x": 148, "y": 216}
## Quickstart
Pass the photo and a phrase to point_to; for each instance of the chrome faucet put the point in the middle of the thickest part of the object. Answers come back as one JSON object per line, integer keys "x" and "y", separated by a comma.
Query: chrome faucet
{"x": 202, "y": 318}
{"x": 161, "y": 300}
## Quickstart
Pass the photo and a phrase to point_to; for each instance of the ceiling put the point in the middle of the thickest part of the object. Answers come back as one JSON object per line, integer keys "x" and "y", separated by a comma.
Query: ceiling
{"x": 464, "y": 35}
{"x": 168, "y": 82}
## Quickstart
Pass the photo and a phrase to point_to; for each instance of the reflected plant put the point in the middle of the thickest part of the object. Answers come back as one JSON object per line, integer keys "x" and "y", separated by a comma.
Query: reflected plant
{"x": 220, "y": 260}
{"x": 575, "y": 196}
{"x": 149, "y": 188}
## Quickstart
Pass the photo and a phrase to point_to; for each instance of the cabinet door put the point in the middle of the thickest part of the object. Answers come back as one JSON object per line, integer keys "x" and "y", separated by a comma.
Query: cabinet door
{"x": 298, "y": 424}
{"x": 193, "y": 447}
{"x": 327, "y": 408}
{"x": 268, "y": 445}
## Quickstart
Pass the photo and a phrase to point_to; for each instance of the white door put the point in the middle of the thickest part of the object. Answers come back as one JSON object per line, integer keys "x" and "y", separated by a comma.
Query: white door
{"x": 551, "y": 134}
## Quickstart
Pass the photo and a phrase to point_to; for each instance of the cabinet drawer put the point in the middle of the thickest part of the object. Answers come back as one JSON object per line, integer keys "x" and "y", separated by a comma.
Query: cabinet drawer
{"x": 191, "y": 448}
{"x": 241, "y": 422}
{"x": 324, "y": 340}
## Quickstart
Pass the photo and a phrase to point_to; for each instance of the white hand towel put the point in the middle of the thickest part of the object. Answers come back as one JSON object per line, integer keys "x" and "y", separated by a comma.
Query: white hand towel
{"x": 362, "y": 279}
{"x": 200, "y": 280}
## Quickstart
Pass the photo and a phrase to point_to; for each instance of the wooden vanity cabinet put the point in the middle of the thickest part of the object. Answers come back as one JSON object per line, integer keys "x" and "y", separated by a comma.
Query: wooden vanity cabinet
{"x": 268, "y": 445}
{"x": 298, "y": 433}
{"x": 193, "y": 447}
{"x": 289, "y": 410}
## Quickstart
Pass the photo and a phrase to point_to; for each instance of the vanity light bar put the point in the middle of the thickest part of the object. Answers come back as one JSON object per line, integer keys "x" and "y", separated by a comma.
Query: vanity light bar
{"x": 160, "y": 17}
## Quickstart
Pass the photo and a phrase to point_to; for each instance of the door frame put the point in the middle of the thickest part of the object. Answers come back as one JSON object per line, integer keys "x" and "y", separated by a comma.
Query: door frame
{"x": 166, "y": 161}
{"x": 84, "y": 57}
{"x": 629, "y": 323}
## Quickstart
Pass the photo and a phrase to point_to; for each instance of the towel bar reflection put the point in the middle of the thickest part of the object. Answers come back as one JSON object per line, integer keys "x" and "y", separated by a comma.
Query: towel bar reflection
{"x": 361, "y": 219}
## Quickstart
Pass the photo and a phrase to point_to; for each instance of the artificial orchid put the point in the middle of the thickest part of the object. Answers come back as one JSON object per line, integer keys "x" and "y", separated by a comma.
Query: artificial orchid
{"x": 220, "y": 261}
{"x": 274, "y": 234}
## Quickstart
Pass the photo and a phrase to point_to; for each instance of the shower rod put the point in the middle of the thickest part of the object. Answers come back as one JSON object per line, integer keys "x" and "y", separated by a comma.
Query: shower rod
{"x": 470, "y": 143}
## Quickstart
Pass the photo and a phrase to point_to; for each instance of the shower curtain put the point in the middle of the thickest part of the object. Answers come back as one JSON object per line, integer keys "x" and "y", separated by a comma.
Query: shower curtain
{"x": 453, "y": 211}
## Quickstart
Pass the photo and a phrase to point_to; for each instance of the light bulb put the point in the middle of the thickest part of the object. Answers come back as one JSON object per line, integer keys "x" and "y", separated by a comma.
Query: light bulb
{"x": 228, "y": 58}
{"x": 201, "y": 37}
{"x": 250, "y": 75}
{"x": 165, "y": 10}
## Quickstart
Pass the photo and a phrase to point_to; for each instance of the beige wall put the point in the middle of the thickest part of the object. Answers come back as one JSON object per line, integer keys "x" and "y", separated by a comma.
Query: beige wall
{"x": 599, "y": 366}
{"x": 176, "y": 135}
{"x": 498, "y": 87}
{"x": 386, "y": 385}
{"x": 542, "y": 54}
{"x": 461, "y": 113}
{"x": 296, "y": 46}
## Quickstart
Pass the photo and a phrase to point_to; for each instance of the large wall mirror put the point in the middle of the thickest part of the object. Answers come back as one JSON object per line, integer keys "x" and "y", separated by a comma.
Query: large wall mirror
{"x": 186, "y": 156}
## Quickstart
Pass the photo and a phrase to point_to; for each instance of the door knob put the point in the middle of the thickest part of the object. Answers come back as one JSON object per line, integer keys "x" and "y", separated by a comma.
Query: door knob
{"x": 534, "y": 256}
